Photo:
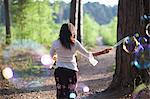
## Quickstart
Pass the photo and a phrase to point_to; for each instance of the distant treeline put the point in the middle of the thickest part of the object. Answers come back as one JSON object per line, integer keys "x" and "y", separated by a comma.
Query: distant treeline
{"x": 101, "y": 13}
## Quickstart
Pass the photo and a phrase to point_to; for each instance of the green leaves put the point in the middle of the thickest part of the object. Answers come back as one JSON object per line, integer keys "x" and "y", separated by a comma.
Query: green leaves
{"x": 90, "y": 31}
{"x": 34, "y": 20}
{"x": 109, "y": 32}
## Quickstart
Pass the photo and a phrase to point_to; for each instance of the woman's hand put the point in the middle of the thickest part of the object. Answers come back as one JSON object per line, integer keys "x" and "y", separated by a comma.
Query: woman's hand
{"x": 106, "y": 50}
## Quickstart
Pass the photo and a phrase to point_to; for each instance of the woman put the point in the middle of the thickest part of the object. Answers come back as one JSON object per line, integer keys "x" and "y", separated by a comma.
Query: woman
{"x": 66, "y": 72}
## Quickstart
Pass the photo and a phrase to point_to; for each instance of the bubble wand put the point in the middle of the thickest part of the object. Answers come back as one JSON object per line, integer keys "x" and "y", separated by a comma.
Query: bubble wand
{"x": 108, "y": 49}
{"x": 119, "y": 42}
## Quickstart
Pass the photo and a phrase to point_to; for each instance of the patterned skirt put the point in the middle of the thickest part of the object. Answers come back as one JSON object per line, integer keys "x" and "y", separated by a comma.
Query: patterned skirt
{"x": 66, "y": 83}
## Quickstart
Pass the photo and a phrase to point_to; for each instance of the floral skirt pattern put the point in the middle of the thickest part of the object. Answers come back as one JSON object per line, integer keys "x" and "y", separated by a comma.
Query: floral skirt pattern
{"x": 66, "y": 83}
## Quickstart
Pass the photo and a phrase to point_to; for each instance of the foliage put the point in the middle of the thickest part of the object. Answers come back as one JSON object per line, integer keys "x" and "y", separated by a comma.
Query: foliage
{"x": 33, "y": 20}
{"x": 63, "y": 13}
{"x": 2, "y": 33}
{"x": 101, "y": 13}
{"x": 90, "y": 30}
{"x": 109, "y": 32}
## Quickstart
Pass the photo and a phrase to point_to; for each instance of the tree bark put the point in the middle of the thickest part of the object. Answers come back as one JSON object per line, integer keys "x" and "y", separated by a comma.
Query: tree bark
{"x": 7, "y": 22}
{"x": 80, "y": 22}
{"x": 76, "y": 17}
{"x": 74, "y": 12}
{"x": 129, "y": 22}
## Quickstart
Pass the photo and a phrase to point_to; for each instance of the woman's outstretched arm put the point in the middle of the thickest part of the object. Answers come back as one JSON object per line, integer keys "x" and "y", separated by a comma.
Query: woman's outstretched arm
{"x": 102, "y": 52}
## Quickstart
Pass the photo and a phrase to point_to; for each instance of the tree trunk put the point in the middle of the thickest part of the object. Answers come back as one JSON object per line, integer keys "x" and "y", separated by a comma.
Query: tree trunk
{"x": 129, "y": 22}
{"x": 76, "y": 17}
{"x": 80, "y": 21}
{"x": 74, "y": 12}
{"x": 7, "y": 22}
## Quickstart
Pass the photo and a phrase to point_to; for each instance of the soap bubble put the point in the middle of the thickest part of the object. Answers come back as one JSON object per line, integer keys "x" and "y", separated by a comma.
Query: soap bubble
{"x": 130, "y": 44}
{"x": 148, "y": 29}
{"x": 136, "y": 35}
{"x": 142, "y": 57}
{"x": 142, "y": 40}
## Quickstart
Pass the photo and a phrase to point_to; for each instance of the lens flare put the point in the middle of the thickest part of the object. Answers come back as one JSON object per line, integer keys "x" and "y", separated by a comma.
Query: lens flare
{"x": 47, "y": 60}
{"x": 83, "y": 88}
{"x": 86, "y": 89}
{"x": 72, "y": 95}
{"x": 7, "y": 73}
{"x": 24, "y": 57}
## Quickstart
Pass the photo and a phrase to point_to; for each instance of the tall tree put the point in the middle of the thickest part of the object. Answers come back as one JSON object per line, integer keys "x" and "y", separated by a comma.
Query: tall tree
{"x": 7, "y": 22}
{"x": 76, "y": 17}
{"x": 74, "y": 12}
{"x": 129, "y": 22}
{"x": 80, "y": 21}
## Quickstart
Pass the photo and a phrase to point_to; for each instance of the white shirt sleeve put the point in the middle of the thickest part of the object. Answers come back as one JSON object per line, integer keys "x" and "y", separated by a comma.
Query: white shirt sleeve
{"x": 52, "y": 50}
{"x": 85, "y": 53}
{"x": 82, "y": 50}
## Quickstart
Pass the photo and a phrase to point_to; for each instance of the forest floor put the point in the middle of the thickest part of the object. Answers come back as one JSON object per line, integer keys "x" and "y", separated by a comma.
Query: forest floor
{"x": 96, "y": 78}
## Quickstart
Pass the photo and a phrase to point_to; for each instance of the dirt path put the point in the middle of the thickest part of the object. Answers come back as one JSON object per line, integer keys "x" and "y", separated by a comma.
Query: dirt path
{"x": 96, "y": 78}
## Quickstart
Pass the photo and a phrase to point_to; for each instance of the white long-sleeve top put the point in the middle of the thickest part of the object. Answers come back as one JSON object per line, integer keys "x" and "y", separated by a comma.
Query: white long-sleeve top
{"x": 66, "y": 57}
